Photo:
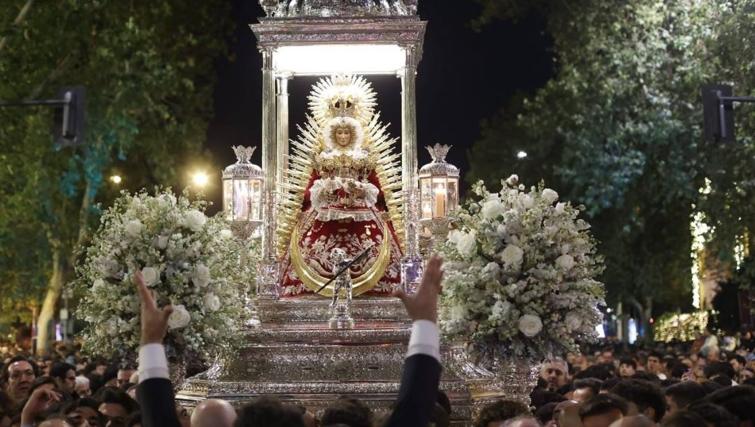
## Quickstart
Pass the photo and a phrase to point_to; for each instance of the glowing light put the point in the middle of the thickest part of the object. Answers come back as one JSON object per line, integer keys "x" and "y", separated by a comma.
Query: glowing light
{"x": 700, "y": 230}
{"x": 116, "y": 179}
{"x": 600, "y": 330}
{"x": 632, "y": 327}
{"x": 521, "y": 155}
{"x": 200, "y": 179}
{"x": 339, "y": 58}
{"x": 741, "y": 250}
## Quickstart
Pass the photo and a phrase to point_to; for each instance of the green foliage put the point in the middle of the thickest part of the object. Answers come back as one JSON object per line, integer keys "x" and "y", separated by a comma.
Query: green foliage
{"x": 619, "y": 129}
{"x": 148, "y": 71}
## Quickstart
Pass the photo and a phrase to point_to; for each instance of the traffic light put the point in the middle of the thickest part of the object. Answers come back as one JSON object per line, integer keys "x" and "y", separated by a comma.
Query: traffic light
{"x": 718, "y": 113}
{"x": 68, "y": 125}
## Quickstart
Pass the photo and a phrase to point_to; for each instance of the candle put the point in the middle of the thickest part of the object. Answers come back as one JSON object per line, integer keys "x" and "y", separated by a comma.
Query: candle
{"x": 440, "y": 202}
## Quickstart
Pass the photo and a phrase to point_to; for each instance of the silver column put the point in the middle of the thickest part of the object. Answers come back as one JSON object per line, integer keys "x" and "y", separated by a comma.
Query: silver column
{"x": 267, "y": 278}
{"x": 409, "y": 149}
{"x": 282, "y": 125}
{"x": 411, "y": 264}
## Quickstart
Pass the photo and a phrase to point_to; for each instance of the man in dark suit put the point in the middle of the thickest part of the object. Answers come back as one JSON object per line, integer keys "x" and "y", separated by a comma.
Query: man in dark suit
{"x": 155, "y": 391}
{"x": 421, "y": 376}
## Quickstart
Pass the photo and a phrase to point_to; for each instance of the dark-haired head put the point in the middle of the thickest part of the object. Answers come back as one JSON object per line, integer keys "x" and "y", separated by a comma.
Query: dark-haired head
{"x": 269, "y": 412}
{"x": 739, "y": 400}
{"x": 347, "y": 410}
{"x": 501, "y": 410}
{"x": 715, "y": 415}
{"x": 116, "y": 405}
{"x": 645, "y": 396}
{"x": 585, "y": 389}
{"x": 684, "y": 419}
{"x": 606, "y": 407}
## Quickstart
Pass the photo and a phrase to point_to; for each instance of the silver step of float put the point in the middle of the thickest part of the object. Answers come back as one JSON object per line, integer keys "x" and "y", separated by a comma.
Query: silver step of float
{"x": 295, "y": 356}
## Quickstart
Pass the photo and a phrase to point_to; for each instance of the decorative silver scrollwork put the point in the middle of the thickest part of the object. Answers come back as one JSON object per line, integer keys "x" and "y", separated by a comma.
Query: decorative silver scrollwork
{"x": 329, "y": 8}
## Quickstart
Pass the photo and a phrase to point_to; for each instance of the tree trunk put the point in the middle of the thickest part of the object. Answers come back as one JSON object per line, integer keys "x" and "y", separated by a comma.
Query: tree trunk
{"x": 646, "y": 316}
{"x": 60, "y": 272}
{"x": 54, "y": 287}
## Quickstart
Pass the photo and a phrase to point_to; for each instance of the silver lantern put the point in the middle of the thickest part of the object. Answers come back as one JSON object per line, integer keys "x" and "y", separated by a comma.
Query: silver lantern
{"x": 242, "y": 193}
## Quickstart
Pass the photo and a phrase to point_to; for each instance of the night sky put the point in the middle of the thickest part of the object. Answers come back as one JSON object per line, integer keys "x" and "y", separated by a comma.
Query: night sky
{"x": 464, "y": 77}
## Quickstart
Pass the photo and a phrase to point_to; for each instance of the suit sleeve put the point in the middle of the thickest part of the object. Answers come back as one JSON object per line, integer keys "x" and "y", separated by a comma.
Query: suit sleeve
{"x": 420, "y": 379}
{"x": 155, "y": 391}
{"x": 157, "y": 403}
{"x": 418, "y": 392}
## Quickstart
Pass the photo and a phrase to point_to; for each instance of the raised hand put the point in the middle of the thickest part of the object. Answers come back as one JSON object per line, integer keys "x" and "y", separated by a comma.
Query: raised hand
{"x": 154, "y": 319}
{"x": 423, "y": 305}
{"x": 39, "y": 401}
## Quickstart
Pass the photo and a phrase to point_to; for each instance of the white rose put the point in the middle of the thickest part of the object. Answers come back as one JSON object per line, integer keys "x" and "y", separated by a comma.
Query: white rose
{"x": 111, "y": 327}
{"x": 491, "y": 269}
{"x": 211, "y": 302}
{"x": 573, "y": 321}
{"x": 560, "y": 207}
{"x": 134, "y": 228}
{"x": 566, "y": 262}
{"x": 527, "y": 201}
{"x": 492, "y": 208}
{"x": 501, "y": 230}
{"x": 550, "y": 196}
{"x": 161, "y": 242}
{"x": 466, "y": 244}
{"x": 513, "y": 180}
{"x": 179, "y": 318}
{"x": 512, "y": 257}
{"x": 108, "y": 267}
{"x": 530, "y": 325}
{"x": 453, "y": 236}
{"x": 150, "y": 275}
{"x": 99, "y": 283}
{"x": 194, "y": 220}
{"x": 226, "y": 234}
{"x": 201, "y": 276}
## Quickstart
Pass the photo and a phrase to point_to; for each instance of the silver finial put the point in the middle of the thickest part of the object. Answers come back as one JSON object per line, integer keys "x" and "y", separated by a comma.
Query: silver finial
{"x": 243, "y": 154}
{"x": 438, "y": 152}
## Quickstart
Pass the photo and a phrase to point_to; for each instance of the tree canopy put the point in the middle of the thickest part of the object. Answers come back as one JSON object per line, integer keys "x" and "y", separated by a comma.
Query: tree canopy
{"x": 148, "y": 70}
{"x": 619, "y": 129}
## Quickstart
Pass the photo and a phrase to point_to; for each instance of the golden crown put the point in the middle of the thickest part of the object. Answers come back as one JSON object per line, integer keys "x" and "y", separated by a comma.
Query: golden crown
{"x": 342, "y": 96}
{"x": 343, "y": 106}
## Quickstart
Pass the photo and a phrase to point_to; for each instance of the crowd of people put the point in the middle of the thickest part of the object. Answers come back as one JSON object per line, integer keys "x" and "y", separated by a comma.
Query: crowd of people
{"x": 680, "y": 385}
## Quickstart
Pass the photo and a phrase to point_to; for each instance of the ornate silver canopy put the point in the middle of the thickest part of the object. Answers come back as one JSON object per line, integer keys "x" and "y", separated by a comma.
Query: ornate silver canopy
{"x": 338, "y": 8}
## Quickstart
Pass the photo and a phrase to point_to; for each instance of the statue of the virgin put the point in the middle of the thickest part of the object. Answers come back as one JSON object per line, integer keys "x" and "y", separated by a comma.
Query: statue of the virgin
{"x": 340, "y": 193}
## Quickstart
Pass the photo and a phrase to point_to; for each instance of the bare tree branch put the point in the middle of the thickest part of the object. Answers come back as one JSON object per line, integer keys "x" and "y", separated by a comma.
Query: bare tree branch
{"x": 19, "y": 19}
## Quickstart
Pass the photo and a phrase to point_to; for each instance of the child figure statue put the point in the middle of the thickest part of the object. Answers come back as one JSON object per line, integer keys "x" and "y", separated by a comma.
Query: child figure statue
{"x": 341, "y": 304}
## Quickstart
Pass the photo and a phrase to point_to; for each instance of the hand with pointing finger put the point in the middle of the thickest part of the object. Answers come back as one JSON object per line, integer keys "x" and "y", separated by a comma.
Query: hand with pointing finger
{"x": 154, "y": 319}
{"x": 423, "y": 305}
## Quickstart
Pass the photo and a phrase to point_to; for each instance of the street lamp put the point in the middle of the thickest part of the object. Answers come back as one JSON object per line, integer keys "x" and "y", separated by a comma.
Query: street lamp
{"x": 116, "y": 179}
{"x": 438, "y": 191}
{"x": 242, "y": 193}
{"x": 200, "y": 179}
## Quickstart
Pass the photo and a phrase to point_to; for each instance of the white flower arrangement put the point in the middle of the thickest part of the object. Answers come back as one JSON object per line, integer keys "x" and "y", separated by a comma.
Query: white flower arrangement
{"x": 520, "y": 274}
{"x": 186, "y": 259}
